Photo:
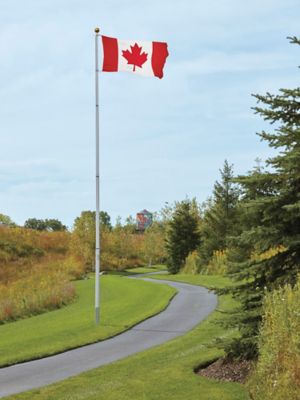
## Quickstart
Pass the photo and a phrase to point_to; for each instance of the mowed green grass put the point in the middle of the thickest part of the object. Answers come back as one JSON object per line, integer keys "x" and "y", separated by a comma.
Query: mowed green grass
{"x": 140, "y": 270}
{"x": 209, "y": 281}
{"x": 124, "y": 302}
{"x": 164, "y": 372}
{"x": 146, "y": 270}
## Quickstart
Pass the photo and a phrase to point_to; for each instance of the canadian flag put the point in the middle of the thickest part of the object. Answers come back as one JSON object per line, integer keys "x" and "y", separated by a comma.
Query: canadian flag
{"x": 144, "y": 58}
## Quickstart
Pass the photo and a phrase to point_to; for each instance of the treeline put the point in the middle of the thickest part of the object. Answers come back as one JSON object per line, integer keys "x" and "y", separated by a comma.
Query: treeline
{"x": 50, "y": 225}
{"x": 122, "y": 246}
{"x": 250, "y": 230}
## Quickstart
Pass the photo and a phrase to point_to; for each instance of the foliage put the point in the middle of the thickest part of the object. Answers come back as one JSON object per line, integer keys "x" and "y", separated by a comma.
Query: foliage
{"x": 153, "y": 244}
{"x": 35, "y": 271}
{"x": 130, "y": 224}
{"x": 41, "y": 290}
{"x": 182, "y": 234}
{"x": 277, "y": 374}
{"x": 217, "y": 265}
{"x": 36, "y": 266}
{"x": 51, "y": 225}
{"x": 165, "y": 214}
{"x": 220, "y": 216}
{"x": 271, "y": 200}
{"x": 191, "y": 265}
{"x": 6, "y": 220}
{"x": 121, "y": 249}
{"x": 105, "y": 220}
{"x": 83, "y": 238}
{"x": 20, "y": 249}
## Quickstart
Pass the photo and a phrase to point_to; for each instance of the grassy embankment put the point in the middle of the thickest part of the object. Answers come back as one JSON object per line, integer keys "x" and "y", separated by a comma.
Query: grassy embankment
{"x": 36, "y": 270}
{"x": 125, "y": 302}
{"x": 164, "y": 372}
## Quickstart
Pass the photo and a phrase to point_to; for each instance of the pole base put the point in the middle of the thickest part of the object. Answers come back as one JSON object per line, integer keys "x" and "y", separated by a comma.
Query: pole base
{"x": 97, "y": 315}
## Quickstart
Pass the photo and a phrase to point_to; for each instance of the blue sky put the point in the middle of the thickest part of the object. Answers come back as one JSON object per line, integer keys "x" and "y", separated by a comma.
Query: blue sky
{"x": 161, "y": 140}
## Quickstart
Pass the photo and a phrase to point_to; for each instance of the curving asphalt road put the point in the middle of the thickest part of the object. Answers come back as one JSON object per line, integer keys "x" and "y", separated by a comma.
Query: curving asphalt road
{"x": 190, "y": 306}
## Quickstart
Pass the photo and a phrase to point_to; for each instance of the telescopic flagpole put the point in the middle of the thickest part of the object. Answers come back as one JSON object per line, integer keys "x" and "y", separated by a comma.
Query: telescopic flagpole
{"x": 97, "y": 250}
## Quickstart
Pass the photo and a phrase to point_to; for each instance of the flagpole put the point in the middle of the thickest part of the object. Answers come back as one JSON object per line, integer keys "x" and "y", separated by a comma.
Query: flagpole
{"x": 97, "y": 249}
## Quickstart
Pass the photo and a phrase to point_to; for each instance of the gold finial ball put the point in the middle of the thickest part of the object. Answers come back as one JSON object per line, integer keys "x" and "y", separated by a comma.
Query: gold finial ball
{"x": 97, "y": 30}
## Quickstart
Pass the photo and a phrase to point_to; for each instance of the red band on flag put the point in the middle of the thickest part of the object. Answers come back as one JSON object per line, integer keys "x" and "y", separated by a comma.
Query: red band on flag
{"x": 110, "y": 54}
{"x": 159, "y": 56}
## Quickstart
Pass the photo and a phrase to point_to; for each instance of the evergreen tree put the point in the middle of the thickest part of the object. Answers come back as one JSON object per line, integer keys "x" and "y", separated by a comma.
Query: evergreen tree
{"x": 219, "y": 221}
{"x": 182, "y": 234}
{"x": 271, "y": 200}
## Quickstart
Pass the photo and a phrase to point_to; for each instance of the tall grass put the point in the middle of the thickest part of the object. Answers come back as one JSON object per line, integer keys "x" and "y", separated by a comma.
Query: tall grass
{"x": 35, "y": 272}
{"x": 21, "y": 249}
{"x": 277, "y": 374}
{"x": 218, "y": 263}
{"x": 216, "y": 266}
{"x": 36, "y": 293}
{"x": 191, "y": 265}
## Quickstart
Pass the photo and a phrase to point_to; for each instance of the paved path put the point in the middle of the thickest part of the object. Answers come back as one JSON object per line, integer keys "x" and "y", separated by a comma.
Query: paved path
{"x": 190, "y": 306}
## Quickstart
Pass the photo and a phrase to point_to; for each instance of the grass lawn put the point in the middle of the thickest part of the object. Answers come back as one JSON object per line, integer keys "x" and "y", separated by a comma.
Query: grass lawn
{"x": 139, "y": 270}
{"x": 124, "y": 301}
{"x": 145, "y": 270}
{"x": 162, "y": 373}
{"x": 209, "y": 281}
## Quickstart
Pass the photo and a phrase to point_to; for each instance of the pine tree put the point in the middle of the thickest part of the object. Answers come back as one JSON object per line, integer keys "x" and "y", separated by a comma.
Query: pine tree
{"x": 220, "y": 215}
{"x": 271, "y": 200}
{"x": 182, "y": 234}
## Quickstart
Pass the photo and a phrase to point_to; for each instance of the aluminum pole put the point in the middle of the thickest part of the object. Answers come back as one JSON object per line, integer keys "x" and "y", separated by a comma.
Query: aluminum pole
{"x": 97, "y": 250}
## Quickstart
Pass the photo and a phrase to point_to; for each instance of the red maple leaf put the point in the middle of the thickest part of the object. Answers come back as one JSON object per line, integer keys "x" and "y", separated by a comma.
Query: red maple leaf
{"x": 135, "y": 57}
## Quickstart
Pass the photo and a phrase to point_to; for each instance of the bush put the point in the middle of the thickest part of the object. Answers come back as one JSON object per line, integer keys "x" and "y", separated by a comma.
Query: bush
{"x": 277, "y": 374}
{"x": 217, "y": 264}
{"x": 191, "y": 265}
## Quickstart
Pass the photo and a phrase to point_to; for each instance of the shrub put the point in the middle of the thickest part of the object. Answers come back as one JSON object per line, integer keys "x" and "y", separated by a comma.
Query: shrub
{"x": 191, "y": 265}
{"x": 277, "y": 374}
{"x": 217, "y": 264}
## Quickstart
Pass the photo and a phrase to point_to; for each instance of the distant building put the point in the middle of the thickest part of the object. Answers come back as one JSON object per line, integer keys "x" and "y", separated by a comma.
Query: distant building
{"x": 143, "y": 220}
